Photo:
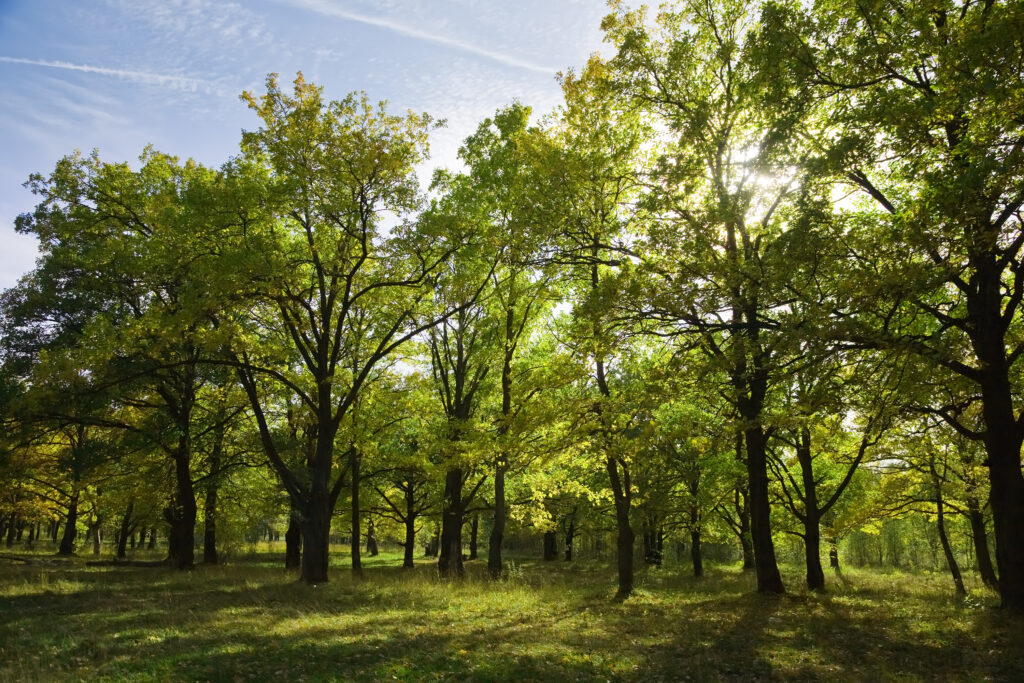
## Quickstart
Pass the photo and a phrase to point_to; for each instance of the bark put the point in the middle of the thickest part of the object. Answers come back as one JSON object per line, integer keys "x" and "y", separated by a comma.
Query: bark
{"x": 696, "y": 556}
{"x": 183, "y": 510}
{"x": 624, "y": 536}
{"x": 315, "y": 525}
{"x": 1003, "y": 434}
{"x": 210, "y": 503}
{"x": 96, "y": 535}
{"x": 768, "y": 578}
{"x": 12, "y": 528}
{"x": 355, "y": 462}
{"x": 833, "y": 555}
{"x": 811, "y": 515}
{"x": 1006, "y": 499}
{"x": 978, "y": 535}
{"x": 293, "y": 542}
{"x": 947, "y": 549}
{"x": 67, "y": 541}
{"x": 570, "y": 537}
{"x": 410, "y": 543}
{"x": 550, "y": 546}
{"x": 494, "y": 561}
{"x": 126, "y": 530}
{"x": 741, "y": 503}
{"x": 210, "y": 527}
{"x": 449, "y": 562}
{"x": 474, "y": 528}
{"x": 409, "y": 491}
{"x": 371, "y": 539}
{"x": 495, "y": 565}
{"x": 618, "y": 476}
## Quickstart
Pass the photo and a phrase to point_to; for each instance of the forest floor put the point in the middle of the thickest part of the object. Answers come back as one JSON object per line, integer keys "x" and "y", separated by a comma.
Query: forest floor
{"x": 548, "y": 622}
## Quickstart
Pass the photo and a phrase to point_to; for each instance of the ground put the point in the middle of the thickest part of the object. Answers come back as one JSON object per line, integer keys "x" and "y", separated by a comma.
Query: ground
{"x": 547, "y": 622}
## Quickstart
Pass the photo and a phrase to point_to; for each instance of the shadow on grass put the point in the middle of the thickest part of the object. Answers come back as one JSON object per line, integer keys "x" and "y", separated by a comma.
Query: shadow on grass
{"x": 551, "y": 623}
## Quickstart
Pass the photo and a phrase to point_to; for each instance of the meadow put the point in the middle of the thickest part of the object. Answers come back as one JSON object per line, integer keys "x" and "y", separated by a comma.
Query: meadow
{"x": 250, "y": 620}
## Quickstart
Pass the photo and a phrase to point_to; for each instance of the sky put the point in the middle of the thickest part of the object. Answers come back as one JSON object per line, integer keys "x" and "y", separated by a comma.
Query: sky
{"x": 116, "y": 75}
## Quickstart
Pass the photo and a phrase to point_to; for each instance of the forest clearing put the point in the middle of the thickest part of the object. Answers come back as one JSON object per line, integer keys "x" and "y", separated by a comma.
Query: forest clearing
{"x": 712, "y": 369}
{"x": 547, "y": 622}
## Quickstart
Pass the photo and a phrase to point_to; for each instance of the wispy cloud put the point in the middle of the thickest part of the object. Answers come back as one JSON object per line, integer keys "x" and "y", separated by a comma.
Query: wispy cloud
{"x": 330, "y": 9}
{"x": 148, "y": 78}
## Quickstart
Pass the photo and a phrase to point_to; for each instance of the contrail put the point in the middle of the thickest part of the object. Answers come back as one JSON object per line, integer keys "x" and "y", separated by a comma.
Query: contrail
{"x": 162, "y": 80}
{"x": 330, "y": 9}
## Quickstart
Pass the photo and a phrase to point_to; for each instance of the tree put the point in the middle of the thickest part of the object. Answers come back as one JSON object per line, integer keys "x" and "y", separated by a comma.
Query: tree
{"x": 922, "y": 109}
{"x": 595, "y": 171}
{"x": 324, "y": 280}
{"x": 716, "y": 264}
{"x": 140, "y": 314}
{"x": 503, "y": 190}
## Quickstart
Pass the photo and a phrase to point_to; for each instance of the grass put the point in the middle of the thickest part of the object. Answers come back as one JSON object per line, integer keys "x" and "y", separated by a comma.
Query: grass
{"x": 550, "y": 621}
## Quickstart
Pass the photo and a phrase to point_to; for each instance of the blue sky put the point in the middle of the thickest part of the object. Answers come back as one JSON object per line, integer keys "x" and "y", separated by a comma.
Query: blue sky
{"x": 115, "y": 75}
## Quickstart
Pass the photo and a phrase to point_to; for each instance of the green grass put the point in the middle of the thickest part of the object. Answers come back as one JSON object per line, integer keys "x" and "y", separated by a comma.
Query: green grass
{"x": 551, "y": 621}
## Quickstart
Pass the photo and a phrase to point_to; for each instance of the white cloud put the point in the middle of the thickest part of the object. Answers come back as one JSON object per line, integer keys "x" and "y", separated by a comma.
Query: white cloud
{"x": 330, "y": 9}
{"x": 145, "y": 77}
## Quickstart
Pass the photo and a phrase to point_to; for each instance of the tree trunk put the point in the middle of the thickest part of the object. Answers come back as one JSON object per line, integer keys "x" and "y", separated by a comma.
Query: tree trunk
{"x": 570, "y": 537}
{"x": 812, "y": 554}
{"x": 474, "y": 528}
{"x": 624, "y": 532}
{"x": 210, "y": 504}
{"x": 125, "y": 531}
{"x": 833, "y": 555}
{"x": 410, "y": 523}
{"x": 550, "y": 546}
{"x": 410, "y": 542}
{"x": 97, "y": 537}
{"x": 495, "y": 566}
{"x": 293, "y": 542}
{"x": 696, "y": 556}
{"x": 768, "y": 578}
{"x": 434, "y": 544}
{"x": 183, "y": 510}
{"x": 1003, "y": 433}
{"x": 978, "y": 535}
{"x": 450, "y": 561}
{"x": 812, "y": 513}
{"x": 494, "y": 561}
{"x": 67, "y": 541}
{"x": 315, "y": 525}
{"x": 648, "y": 545}
{"x": 152, "y": 539}
{"x": 12, "y": 529}
{"x": 371, "y": 539}
{"x": 210, "y": 526}
{"x": 947, "y": 550}
{"x": 355, "y": 460}
{"x": 742, "y": 506}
